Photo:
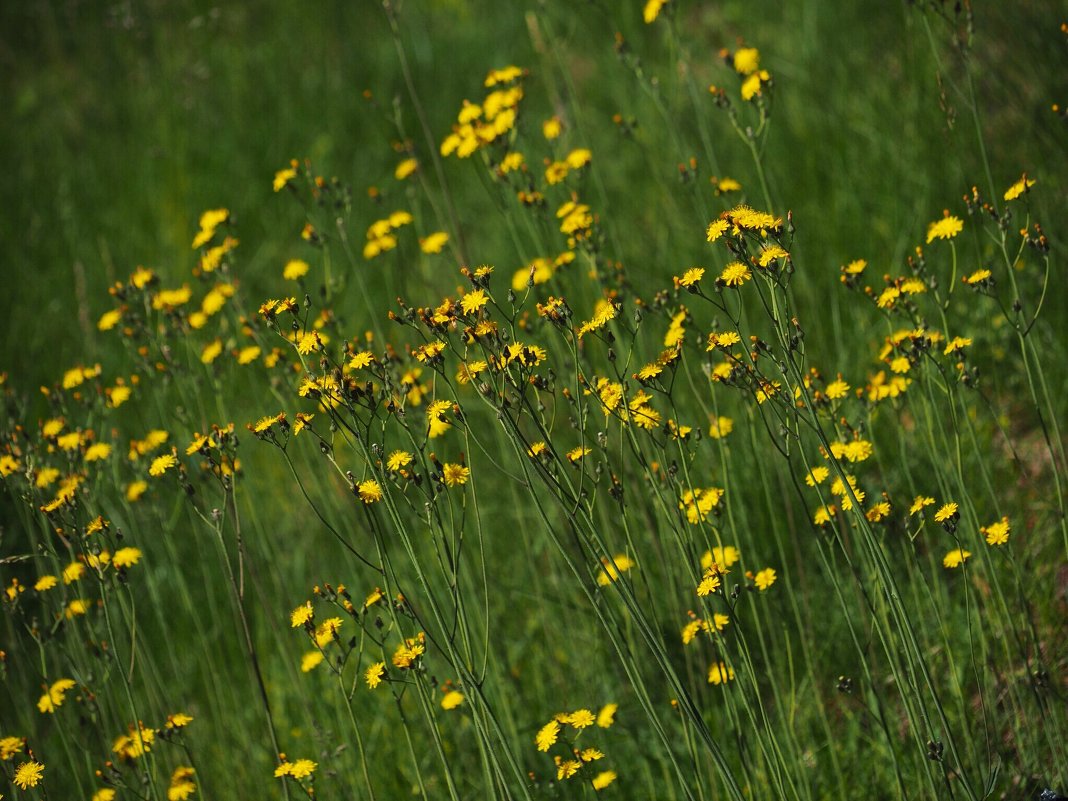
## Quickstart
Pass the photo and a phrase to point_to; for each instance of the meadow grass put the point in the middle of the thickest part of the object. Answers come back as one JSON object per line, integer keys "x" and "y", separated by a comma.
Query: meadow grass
{"x": 675, "y": 413}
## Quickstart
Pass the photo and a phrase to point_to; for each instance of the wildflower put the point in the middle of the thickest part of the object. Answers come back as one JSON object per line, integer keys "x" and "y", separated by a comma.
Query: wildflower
{"x": 578, "y": 158}
{"x": 55, "y": 696}
{"x": 295, "y": 269}
{"x": 161, "y": 464}
{"x": 405, "y": 168}
{"x": 575, "y": 454}
{"x": 716, "y": 229}
{"x": 28, "y": 774}
{"x": 434, "y": 243}
{"x": 126, "y": 557}
{"x": 920, "y": 502}
{"x": 182, "y": 785}
{"x": 408, "y": 652}
{"x": 691, "y": 277}
{"x": 452, "y": 699}
{"x": 1019, "y": 187}
{"x": 997, "y": 533}
{"x": 109, "y": 320}
{"x": 856, "y": 451}
{"x": 765, "y": 578}
{"x": 97, "y": 451}
{"x": 607, "y": 716}
{"x": 769, "y": 253}
{"x": 652, "y": 10}
{"x": 209, "y": 221}
{"x": 547, "y": 735}
{"x": 606, "y": 777}
{"x": 135, "y": 743}
{"x": 9, "y": 746}
{"x": 710, "y": 582}
{"x": 551, "y": 128}
{"x": 456, "y": 474}
{"x": 946, "y": 228}
{"x": 721, "y": 427}
{"x": 725, "y": 185}
{"x": 79, "y": 606}
{"x": 837, "y": 389}
{"x": 211, "y": 352}
{"x": 473, "y": 301}
{"x": 719, "y": 673}
{"x": 699, "y": 503}
{"x": 45, "y": 583}
{"x": 747, "y": 60}
{"x": 590, "y": 755}
{"x": 978, "y": 278}
{"x": 282, "y": 178}
{"x": 370, "y": 491}
{"x": 955, "y": 558}
{"x": 179, "y": 720}
{"x": 326, "y": 632}
{"x": 398, "y": 460}
{"x": 73, "y": 572}
{"x": 135, "y": 489}
{"x": 946, "y": 512}
{"x": 300, "y": 769}
{"x": 878, "y": 512}
{"x": 105, "y": 794}
{"x": 310, "y": 661}
{"x": 724, "y": 556}
{"x": 566, "y": 768}
{"x": 735, "y": 274}
{"x": 373, "y": 675}
{"x": 580, "y": 718}
{"x": 301, "y": 615}
{"x": 956, "y": 344}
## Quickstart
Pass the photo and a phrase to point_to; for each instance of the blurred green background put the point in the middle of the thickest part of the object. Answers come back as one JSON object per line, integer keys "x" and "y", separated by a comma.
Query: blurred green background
{"x": 123, "y": 121}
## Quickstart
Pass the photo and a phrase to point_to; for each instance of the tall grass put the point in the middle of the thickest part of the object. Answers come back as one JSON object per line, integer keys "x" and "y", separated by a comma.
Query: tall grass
{"x": 657, "y": 420}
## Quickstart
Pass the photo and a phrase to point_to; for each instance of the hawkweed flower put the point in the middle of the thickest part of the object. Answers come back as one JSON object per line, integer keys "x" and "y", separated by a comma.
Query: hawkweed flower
{"x": 955, "y": 558}
{"x": 29, "y": 774}
{"x": 997, "y": 533}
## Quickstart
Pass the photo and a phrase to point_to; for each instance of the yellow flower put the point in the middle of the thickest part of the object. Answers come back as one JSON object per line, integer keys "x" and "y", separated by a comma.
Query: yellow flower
{"x": 575, "y": 454}
{"x": 211, "y": 352}
{"x": 301, "y": 615}
{"x": 945, "y": 512}
{"x": 135, "y": 489}
{"x": 283, "y": 177}
{"x": 161, "y": 464}
{"x": 946, "y": 228}
{"x": 452, "y": 699}
{"x": 566, "y": 768}
{"x": 606, "y": 777}
{"x": 55, "y": 696}
{"x": 370, "y": 491}
{"x": 652, "y": 10}
{"x": 126, "y": 557}
{"x": 182, "y": 785}
{"x": 607, "y": 716}
{"x": 691, "y": 277}
{"x": 997, "y": 533}
{"x": 473, "y": 301}
{"x": 919, "y": 503}
{"x": 735, "y": 274}
{"x": 578, "y": 158}
{"x": 716, "y": 229}
{"x": 109, "y": 320}
{"x": 456, "y": 474}
{"x": 547, "y": 735}
{"x": 434, "y": 243}
{"x": 837, "y": 389}
{"x": 551, "y": 128}
{"x": 209, "y": 221}
{"x": 97, "y": 451}
{"x": 765, "y": 578}
{"x": 719, "y": 673}
{"x": 747, "y": 60}
{"x": 373, "y": 675}
{"x": 1019, "y": 187}
{"x": 769, "y": 253}
{"x": 405, "y": 168}
{"x": 106, "y": 794}
{"x": 620, "y": 563}
{"x": 310, "y": 661}
{"x": 398, "y": 460}
{"x": 73, "y": 572}
{"x": 28, "y": 774}
{"x": 294, "y": 269}
{"x": 955, "y": 558}
{"x": 45, "y": 583}
{"x": 9, "y": 746}
{"x": 302, "y": 768}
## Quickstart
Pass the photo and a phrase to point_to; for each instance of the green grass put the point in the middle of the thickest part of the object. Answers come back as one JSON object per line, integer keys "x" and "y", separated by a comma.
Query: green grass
{"x": 127, "y": 122}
